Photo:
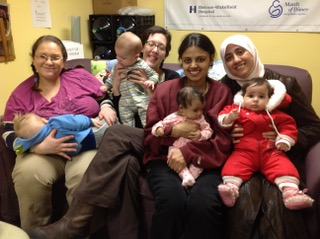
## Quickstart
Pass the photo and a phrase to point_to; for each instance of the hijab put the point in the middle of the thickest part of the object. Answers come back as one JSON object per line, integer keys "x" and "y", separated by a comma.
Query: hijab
{"x": 247, "y": 44}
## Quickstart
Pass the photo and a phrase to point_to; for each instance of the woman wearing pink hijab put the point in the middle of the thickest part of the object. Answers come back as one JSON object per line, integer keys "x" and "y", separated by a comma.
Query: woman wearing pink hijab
{"x": 260, "y": 212}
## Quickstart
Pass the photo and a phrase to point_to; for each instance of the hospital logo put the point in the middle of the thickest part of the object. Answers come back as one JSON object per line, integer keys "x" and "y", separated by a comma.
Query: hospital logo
{"x": 192, "y": 9}
{"x": 275, "y": 10}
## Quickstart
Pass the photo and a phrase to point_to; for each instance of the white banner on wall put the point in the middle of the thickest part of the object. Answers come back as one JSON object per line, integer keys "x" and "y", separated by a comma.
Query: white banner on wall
{"x": 243, "y": 15}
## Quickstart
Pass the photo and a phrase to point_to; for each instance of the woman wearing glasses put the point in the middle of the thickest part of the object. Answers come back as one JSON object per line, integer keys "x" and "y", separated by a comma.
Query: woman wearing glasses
{"x": 156, "y": 43}
{"x": 111, "y": 180}
{"x": 52, "y": 90}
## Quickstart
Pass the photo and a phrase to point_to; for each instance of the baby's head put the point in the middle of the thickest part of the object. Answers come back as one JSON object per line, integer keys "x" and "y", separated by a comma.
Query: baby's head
{"x": 191, "y": 102}
{"x": 27, "y": 125}
{"x": 128, "y": 47}
{"x": 256, "y": 94}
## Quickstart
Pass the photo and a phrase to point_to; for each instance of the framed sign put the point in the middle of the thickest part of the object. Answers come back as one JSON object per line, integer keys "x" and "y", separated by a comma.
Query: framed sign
{"x": 240, "y": 15}
{"x": 6, "y": 40}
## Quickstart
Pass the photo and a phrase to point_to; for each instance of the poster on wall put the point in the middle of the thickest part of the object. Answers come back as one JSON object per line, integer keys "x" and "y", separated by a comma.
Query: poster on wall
{"x": 240, "y": 15}
{"x": 4, "y": 15}
{"x": 6, "y": 40}
{"x": 41, "y": 16}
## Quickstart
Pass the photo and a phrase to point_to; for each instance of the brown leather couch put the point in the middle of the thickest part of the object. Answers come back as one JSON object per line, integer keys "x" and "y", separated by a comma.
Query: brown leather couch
{"x": 9, "y": 211}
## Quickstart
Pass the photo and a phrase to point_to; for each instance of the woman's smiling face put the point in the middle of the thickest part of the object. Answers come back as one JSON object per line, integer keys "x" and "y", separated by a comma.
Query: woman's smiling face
{"x": 239, "y": 61}
{"x": 152, "y": 53}
{"x": 195, "y": 63}
{"x": 48, "y": 60}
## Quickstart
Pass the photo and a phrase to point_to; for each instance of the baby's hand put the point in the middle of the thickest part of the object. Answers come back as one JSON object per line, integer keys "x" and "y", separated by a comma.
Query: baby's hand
{"x": 196, "y": 136}
{"x": 149, "y": 84}
{"x": 282, "y": 147}
{"x": 232, "y": 116}
{"x": 159, "y": 131}
{"x": 96, "y": 122}
{"x": 103, "y": 88}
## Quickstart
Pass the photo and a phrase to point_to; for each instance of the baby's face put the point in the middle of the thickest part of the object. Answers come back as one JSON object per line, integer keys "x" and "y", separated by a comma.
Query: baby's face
{"x": 193, "y": 111}
{"x": 125, "y": 57}
{"x": 256, "y": 98}
{"x": 31, "y": 126}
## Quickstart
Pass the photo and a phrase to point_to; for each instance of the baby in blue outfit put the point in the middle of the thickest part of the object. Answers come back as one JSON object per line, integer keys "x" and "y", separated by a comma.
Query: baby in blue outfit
{"x": 32, "y": 129}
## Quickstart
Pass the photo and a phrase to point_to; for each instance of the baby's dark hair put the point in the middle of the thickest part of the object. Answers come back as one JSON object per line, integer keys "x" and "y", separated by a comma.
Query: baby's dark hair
{"x": 258, "y": 81}
{"x": 187, "y": 95}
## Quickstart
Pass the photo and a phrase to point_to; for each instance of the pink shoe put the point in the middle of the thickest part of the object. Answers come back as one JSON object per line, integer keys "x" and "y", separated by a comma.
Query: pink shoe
{"x": 294, "y": 199}
{"x": 195, "y": 171}
{"x": 187, "y": 178}
{"x": 229, "y": 193}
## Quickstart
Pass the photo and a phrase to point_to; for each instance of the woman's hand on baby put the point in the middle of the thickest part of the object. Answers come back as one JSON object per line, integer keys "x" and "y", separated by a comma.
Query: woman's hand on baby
{"x": 176, "y": 160}
{"x": 52, "y": 145}
{"x": 184, "y": 129}
{"x": 108, "y": 114}
{"x": 120, "y": 71}
{"x": 196, "y": 136}
{"x": 138, "y": 76}
{"x": 236, "y": 133}
{"x": 119, "y": 74}
{"x": 271, "y": 135}
{"x": 96, "y": 122}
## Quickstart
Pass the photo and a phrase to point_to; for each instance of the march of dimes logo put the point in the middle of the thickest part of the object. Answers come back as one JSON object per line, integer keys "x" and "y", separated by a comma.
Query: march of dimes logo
{"x": 286, "y": 8}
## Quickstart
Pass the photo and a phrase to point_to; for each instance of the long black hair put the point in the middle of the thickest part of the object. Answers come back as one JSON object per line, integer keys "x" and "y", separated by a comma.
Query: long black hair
{"x": 199, "y": 40}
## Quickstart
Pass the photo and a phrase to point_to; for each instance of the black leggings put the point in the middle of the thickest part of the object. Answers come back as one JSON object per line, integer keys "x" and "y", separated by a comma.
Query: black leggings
{"x": 197, "y": 211}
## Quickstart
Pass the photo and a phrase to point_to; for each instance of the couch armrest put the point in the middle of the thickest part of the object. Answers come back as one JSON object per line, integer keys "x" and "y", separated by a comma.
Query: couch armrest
{"x": 9, "y": 208}
{"x": 85, "y": 62}
{"x": 313, "y": 171}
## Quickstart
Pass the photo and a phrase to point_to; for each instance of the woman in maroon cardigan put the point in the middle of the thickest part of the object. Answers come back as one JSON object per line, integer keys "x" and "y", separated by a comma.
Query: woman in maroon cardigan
{"x": 197, "y": 209}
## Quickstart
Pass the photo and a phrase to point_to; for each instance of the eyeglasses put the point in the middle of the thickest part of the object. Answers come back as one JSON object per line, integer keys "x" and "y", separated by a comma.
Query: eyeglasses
{"x": 44, "y": 58}
{"x": 152, "y": 44}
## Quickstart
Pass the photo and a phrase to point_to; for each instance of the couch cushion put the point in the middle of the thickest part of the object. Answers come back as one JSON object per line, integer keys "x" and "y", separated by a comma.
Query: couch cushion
{"x": 93, "y": 66}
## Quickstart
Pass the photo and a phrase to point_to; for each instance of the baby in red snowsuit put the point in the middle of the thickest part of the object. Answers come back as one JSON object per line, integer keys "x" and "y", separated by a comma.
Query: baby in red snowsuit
{"x": 254, "y": 109}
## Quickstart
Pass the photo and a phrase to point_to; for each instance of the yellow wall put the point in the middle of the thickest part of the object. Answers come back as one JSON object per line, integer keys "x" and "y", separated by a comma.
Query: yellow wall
{"x": 296, "y": 49}
{"x": 14, "y": 72}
